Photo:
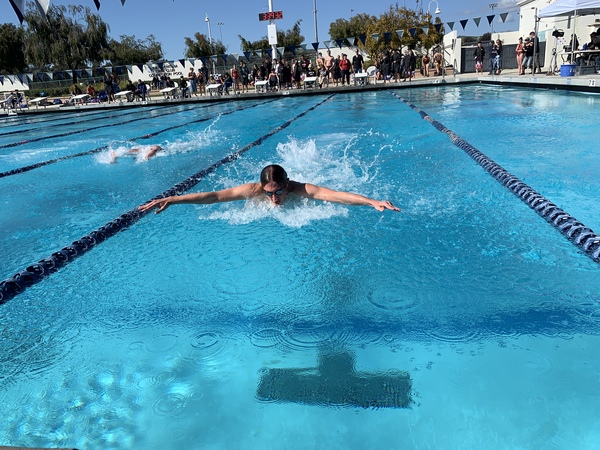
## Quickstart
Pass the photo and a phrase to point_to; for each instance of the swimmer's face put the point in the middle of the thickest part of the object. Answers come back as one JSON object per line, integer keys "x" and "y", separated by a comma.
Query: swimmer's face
{"x": 276, "y": 192}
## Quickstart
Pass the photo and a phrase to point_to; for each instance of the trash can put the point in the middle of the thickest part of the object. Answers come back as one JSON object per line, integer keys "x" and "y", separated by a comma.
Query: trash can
{"x": 567, "y": 70}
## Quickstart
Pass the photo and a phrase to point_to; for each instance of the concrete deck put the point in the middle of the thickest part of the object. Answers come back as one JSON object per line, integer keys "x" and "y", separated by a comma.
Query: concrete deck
{"x": 580, "y": 83}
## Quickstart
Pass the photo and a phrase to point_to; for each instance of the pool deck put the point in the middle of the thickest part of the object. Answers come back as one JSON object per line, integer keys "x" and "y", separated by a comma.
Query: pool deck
{"x": 580, "y": 83}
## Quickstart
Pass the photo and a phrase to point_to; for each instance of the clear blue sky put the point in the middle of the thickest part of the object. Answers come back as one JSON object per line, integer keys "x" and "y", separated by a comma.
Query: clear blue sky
{"x": 170, "y": 21}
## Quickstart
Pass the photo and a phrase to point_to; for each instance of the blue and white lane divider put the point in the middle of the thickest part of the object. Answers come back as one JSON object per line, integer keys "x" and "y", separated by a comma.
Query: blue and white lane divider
{"x": 576, "y": 232}
{"x": 104, "y": 147}
{"x": 35, "y": 273}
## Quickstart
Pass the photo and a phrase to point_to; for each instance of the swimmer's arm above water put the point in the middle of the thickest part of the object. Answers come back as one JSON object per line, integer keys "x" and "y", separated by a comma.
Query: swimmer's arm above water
{"x": 203, "y": 198}
{"x": 347, "y": 198}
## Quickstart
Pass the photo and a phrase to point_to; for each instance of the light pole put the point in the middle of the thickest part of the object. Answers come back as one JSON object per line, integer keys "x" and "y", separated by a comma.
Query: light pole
{"x": 492, "y": 6}
{"x": 210, "y": 41}
{"x": 220, "y": 30}
{"x": 315, "y": 14}
{"x": 207, "y": 20}
{"x": 437, "y": 7}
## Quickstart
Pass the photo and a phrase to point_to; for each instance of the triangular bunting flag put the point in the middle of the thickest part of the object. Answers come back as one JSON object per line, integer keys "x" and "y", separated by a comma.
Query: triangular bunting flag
{"x": 400, "y": 33}
{"x": 235, "y": 56}
{"x": 326, "y": 43}
{"x": 464, "y": 23}
{"x": 477, "y": 20}
{"x": 375, "y": 36}
{"x": 42, "y": 6}
{"x": 182, "y": 62}
{"x": 315, "y": 45}
{"x": 412, "y": 31}
{"x": 40, "y": 76}
{"x": 303, "y": 46}
{"x": 123, "y": 2}
{"x": 50, "y": 75}
{"x": 2, "y": 79}
{"x": 203, "y": 60}
{"x": 386, "y": 37}
{"x": 78, "y": 72}
{"x": 97, "y": 3}
{"x": 20, "y": 77}
{"x": 438, "y": 27}
{"x": 339, "y": 42}
{"x": 58, "y": 75}
{"x": 451, "y": 25}
{"x": 129, "y": 68}
{"x": 140, "y": 67}
{"x": 425, "y": 30}
{"x": 292, "y": 49}
{"x": 363, "y": 38}
{"x": 119, "y": 70}
{"x": 490, "y": 18}
{"x": 19, "y": 7}
{"x": 503, "y": 16}
{"x": 214, "y": 58}
{"x": 224, "y": 56}
{"x": 160, "y": 65}
{"x": 247, "y": 55}
{"x": 281, "y": 50}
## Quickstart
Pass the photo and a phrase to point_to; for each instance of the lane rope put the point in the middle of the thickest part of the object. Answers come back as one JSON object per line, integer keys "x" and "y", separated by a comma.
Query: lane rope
{"x": 70, "y": 133}
{"x": 576, "y": 232}
{"x": 35, "y": 273}
{"x": 90, "y": 116}
{"x": 104, "y": 147}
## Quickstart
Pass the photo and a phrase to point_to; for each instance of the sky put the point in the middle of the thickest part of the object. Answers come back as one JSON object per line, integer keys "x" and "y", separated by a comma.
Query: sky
{"x": 170, "y": 21}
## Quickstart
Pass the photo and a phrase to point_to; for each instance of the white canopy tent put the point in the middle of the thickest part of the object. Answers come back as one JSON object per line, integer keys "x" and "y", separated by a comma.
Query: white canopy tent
{"x": 570, "y": 8}
{"x": 573, "y": 8}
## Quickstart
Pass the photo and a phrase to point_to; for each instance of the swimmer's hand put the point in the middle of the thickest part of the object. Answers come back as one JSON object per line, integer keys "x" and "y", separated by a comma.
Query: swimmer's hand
{"x": 383, "y": 205}
{"x": 161, "y": 204}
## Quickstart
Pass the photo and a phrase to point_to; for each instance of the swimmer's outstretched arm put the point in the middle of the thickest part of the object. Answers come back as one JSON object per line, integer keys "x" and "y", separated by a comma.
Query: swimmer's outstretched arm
{"x": 347, "y": 198}
{"x": 241, "y": 192}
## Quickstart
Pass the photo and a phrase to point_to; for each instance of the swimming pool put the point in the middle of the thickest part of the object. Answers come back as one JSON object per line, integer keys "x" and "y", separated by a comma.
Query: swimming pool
{"x": 466, "y": 321}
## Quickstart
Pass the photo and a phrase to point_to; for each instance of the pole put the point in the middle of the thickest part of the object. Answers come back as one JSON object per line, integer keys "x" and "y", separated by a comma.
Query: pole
{"x": 210, "y": 41}
{"x": 492, "y": 6}
{"x": 535, "y": 42}
{"x": 271, "y": 22}
{"x": 315, "y": 14}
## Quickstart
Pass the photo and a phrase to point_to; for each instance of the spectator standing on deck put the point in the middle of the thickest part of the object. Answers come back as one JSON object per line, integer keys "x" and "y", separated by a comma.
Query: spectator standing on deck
{"x": 345, "y": 69}
{"x": 536, "y": 56}
{"x": 479, "y": 56}
{"x": 358, "y": 62}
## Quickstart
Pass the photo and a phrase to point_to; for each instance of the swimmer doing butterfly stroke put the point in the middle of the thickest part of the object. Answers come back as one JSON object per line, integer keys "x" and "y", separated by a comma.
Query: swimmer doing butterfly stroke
{"x": 275, "y": 184}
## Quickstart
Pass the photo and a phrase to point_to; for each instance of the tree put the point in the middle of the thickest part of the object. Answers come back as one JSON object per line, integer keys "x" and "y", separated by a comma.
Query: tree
{"x": 129, "y": 50}
{"x": 64, "y": 40}
{"x": 200, "y": 46}
{"x": 397, "y": 18}
{"x": 288, "y": 38}
{"x": 12, "y": 56}
{"x": 356, "y": 26}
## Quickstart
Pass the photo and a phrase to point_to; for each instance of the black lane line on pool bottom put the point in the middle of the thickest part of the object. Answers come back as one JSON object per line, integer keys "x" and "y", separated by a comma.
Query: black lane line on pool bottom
{"x": 104, "y": 147}
{"x": 576, "y": 232}
{"x": 35, "y": 273}
{"x": 69, "y": 133}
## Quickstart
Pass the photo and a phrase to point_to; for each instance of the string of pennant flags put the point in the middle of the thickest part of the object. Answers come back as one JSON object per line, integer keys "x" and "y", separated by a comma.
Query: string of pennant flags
{"x": 43, "y": 5}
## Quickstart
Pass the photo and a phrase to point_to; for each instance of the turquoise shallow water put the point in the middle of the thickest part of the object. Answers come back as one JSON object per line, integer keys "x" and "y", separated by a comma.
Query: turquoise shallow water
{"x": 193, "y": 329}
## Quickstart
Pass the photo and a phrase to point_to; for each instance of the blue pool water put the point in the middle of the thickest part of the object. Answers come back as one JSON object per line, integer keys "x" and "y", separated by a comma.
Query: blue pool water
{"x": 465, "y": 321}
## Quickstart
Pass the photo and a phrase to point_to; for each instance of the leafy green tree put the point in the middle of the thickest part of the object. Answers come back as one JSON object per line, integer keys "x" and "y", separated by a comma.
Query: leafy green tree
{"x": 397, "y": 18}
{"x": 12, "y": 56}
{"x": 70, "y": 38}
{"x": 129, "y": 50}
{"x": 356, "y": 26}
{"x": 200, "y": 46}
{"x": 288, "y": 38}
